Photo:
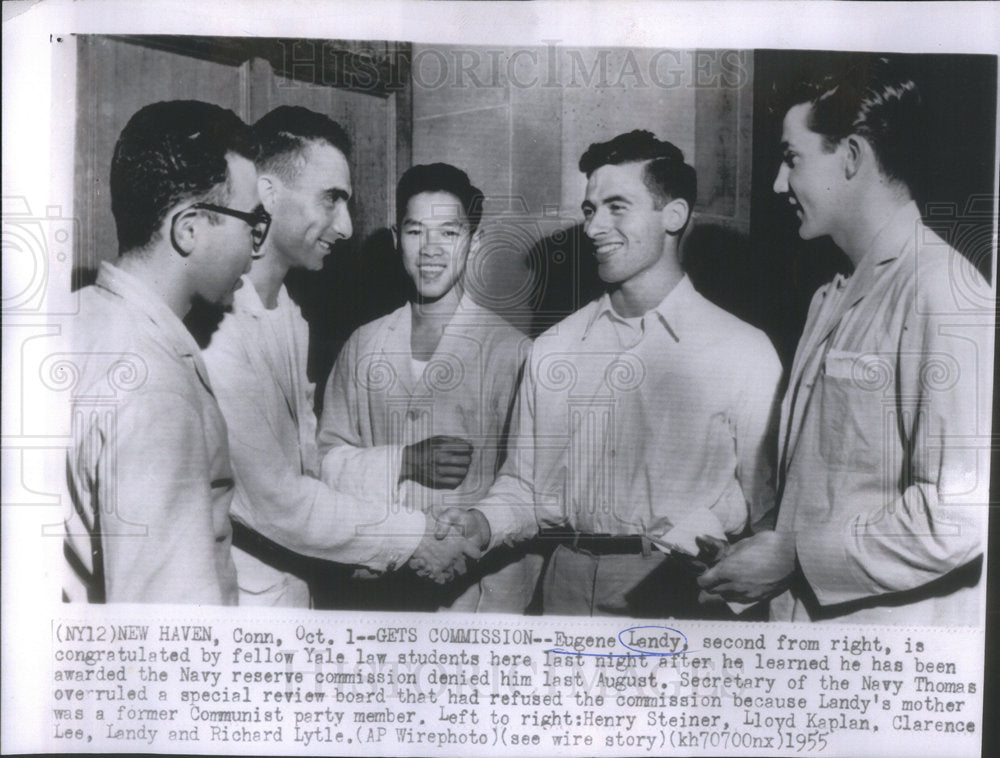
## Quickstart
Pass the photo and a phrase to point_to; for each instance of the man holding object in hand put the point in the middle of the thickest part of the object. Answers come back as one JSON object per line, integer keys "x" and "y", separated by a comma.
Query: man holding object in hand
{"x": 883, "y": 478}
{"x": 632, "y": 429}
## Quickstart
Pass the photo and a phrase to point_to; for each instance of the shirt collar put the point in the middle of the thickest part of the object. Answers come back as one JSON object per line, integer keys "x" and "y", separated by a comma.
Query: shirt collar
{"x": 466, "y": 307}
{"x": 669, "y": 313}
{"x": 246, "y": 298}
{"x": 896, "y": 236}
{"x": 143, "y": 299}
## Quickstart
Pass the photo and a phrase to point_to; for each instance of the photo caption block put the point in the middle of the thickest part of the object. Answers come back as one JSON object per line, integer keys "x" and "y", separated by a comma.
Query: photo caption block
{"x": 384, "y": 684}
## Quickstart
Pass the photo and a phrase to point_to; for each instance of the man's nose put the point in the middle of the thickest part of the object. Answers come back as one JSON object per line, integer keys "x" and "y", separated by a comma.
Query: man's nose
{"x": 596, "y": 223}
{"x": 780, "y": 185}
{"x": 433, "y": 242}
{"x": 342, "y": 226}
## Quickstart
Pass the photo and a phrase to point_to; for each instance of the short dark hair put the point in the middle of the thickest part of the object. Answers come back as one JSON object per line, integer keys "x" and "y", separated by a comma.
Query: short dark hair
{"x": 168, "y": 152}
{"x": 666, "y": 175}
{"x": 873, "y": 97}
{"x": 286, "y": 131}
{"x": 440, "y": 177}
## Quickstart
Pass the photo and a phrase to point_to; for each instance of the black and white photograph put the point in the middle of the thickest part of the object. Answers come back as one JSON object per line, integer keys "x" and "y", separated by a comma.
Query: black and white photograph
{"x": 488, "y": 388}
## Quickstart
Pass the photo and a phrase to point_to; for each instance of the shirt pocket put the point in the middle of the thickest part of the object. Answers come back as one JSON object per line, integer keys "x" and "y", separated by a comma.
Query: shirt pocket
{"x": 856, "y": 419}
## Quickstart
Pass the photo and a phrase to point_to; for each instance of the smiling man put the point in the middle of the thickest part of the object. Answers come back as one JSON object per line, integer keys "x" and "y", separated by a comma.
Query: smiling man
{"x": 257, "y": 360}
{"x": 645, "y": 417}
{"x": 423, "y": 394}
{"x": 884, "y": 472}
{"x": 149, "y": 471}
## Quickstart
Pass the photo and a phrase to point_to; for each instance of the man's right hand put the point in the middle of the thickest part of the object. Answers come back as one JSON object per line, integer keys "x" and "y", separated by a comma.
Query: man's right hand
{"x": 439, "y": 462}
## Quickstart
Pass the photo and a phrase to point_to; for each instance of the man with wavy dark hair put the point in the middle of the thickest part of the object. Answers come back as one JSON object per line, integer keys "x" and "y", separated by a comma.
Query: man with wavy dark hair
{"x": 644, "y": 419}
{"x": 883, "y": 480}
{"x": 149, "y": 471}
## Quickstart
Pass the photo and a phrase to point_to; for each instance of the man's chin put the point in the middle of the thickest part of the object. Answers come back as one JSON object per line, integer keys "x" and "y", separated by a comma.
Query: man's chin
{"x": 608, "y": 275}
{"x": 314, "y": 264}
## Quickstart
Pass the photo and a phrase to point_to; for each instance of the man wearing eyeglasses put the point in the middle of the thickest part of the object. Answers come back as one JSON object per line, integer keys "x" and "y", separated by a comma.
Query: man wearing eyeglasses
{"x": 149, "y": 471}
{"x": 257, "y": 360}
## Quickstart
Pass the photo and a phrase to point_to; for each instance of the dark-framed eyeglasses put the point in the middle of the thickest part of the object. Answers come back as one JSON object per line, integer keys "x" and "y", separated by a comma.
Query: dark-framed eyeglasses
{"x": 258, "y": 220}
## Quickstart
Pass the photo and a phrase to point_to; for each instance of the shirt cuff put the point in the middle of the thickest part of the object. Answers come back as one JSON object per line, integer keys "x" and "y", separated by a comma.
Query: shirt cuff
{"x": 681, "y": 536}
{"x": 509, "y": 523}
{"x": 399, "y": 536}
{"x": 827, "y": 567}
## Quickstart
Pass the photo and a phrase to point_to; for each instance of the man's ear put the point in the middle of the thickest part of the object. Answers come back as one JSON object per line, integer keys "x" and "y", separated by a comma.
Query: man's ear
{"x": 476, "y": 241}
{"x": 267, "y": 188}
{"x": 674, "y": 215}
{"x": 856, "y": 152}
{"x": 184, "y": 231}
{"x": 395, "y": 236}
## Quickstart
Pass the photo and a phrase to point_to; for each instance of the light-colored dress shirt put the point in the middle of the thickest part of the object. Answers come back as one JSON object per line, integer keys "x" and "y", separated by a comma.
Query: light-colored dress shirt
{"x": 634, "y": 426}
{"x": 257, "y": 361}
{"x": 149, "y": 471}
{"x": 378, "y": 400}
{"x": 885, "y": 434}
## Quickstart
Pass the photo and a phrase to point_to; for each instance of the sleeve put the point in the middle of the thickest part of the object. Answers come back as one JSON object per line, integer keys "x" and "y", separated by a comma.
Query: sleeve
{"x": 936, "y": 521}
{"x": 504, "y": 392}
{"x": 347, "y": 464}
{"x": 756, "y": 436}
{"x": 159, "y": 541}
{"x": 510, "y": 506}
{"x": 299, "y": 512}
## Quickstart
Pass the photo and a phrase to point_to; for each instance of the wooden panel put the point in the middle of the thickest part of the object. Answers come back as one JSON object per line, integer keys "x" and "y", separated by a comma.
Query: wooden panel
{"x": 454, "y": 79}
{"x": 723, "y": 124}
{"x": 535, "y": 144}
{"x": 115, "y": 80}
{"x": 378, "y": 68}
{"x": 478, "y": 142}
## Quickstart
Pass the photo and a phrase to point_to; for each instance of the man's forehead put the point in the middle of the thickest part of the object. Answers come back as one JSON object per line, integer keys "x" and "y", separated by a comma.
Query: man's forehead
{"x": 438, "y": 205}
{"x": 617, "y": 179}
{"x": 796, "y": 122}
{"x": 324, "y": 166}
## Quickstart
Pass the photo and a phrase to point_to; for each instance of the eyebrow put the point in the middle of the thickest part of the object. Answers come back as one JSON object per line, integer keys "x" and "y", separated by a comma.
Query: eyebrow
{"x": 338, "y": 194}
{"x": 449, "y": 222}
{"x": 604, "y": 201}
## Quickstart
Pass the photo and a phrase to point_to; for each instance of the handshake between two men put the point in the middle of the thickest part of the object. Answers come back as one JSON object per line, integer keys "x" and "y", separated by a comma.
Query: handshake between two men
{"x": 457, "y": 534}
{"x": 454, "y": 534}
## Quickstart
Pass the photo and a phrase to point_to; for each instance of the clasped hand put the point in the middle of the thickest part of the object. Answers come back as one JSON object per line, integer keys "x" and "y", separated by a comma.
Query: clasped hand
{"x": 439, "y": 462}
{"x": 451, "y": 538}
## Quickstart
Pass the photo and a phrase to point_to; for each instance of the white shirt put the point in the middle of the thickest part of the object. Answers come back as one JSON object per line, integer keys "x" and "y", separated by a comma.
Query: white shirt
{"x": 257, "y": 361}
{"x": 376, "y": 402}
{"x": 634, "y": 426}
